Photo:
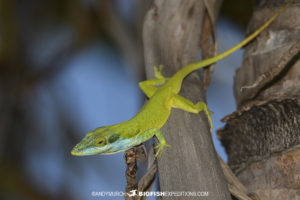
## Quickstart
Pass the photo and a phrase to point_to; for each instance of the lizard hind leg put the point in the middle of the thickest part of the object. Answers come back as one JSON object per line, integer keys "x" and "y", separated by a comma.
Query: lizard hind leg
{"x": 186, "y": 105}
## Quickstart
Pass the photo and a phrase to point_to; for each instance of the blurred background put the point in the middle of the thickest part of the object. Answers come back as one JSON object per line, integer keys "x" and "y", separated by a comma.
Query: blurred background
{"x": 67, "y": 67}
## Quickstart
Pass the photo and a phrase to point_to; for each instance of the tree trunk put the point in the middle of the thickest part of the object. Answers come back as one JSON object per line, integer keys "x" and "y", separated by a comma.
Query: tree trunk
{"x": 262, "y": 137}
{"x": 171, "y": 36}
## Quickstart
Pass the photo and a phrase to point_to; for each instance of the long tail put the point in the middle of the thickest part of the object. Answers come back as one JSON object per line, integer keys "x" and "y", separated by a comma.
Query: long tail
{"x": 194, "y": 66}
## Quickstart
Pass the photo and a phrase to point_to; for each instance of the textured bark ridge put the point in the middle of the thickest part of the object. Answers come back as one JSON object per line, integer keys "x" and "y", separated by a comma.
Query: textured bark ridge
{"x": 262, "y": 137}
{"x": 261, "y": 131}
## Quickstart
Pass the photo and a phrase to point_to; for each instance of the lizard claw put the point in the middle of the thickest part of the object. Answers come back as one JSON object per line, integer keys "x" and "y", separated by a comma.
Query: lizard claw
{"x": 157, "y": 72}
{"x": 160, "y": 148}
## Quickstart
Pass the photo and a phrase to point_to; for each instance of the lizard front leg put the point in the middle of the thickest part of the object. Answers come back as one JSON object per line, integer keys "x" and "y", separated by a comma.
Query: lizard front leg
{"x": 157, "y": 72}
{"x": 148, "y": 86}
{"x": 162, "y": 143}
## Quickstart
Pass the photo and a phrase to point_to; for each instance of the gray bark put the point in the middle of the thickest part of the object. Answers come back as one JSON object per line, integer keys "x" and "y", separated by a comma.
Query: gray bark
{"x": 171, "y": 36}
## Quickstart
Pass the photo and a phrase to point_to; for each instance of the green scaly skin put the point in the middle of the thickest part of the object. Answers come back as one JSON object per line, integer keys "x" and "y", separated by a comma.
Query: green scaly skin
{"x": 154, "y": 114}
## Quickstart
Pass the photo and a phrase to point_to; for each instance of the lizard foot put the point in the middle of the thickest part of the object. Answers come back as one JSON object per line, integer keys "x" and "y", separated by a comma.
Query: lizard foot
{"x": 157, "y": 72}
{"x": 160, "y": 148}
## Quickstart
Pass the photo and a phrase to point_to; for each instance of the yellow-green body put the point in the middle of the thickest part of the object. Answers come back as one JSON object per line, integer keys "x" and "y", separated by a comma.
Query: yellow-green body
{"x": 163, "y": 96}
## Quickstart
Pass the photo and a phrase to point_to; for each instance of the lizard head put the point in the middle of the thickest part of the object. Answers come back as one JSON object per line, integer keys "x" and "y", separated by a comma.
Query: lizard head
{"x": 100, "y": 141}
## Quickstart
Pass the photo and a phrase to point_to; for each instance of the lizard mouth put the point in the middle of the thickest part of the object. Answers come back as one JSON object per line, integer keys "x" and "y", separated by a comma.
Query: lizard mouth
{"x": 77, "y": 151}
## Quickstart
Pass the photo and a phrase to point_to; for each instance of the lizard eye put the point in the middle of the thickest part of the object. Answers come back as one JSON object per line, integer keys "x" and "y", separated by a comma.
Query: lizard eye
{"x": 100, "y": 142}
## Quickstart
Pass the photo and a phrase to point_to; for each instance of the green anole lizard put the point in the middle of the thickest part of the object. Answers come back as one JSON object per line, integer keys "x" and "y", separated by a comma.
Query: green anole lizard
{"x": 154, "y": 114}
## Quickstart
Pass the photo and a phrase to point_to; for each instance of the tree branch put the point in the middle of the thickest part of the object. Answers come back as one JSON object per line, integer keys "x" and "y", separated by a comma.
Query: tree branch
{"x": 171, "y": 37}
